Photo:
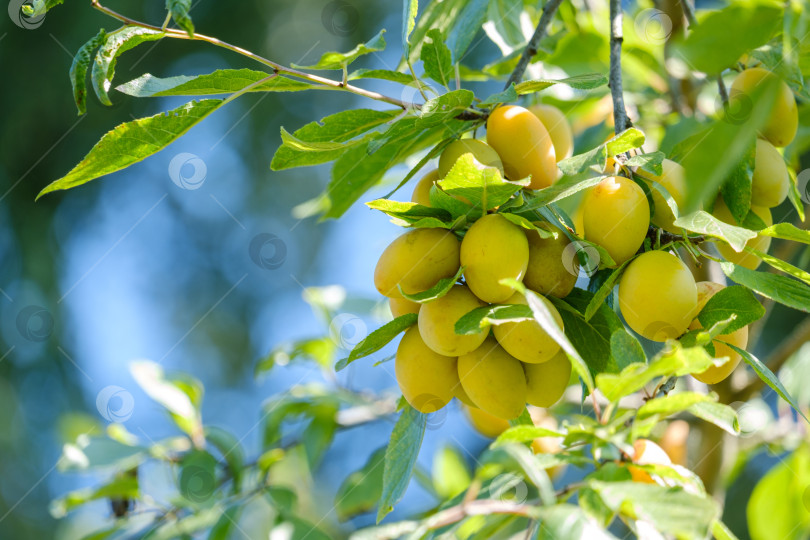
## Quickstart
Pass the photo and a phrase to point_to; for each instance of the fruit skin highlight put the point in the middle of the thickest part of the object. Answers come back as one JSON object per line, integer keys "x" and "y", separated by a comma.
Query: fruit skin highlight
{"x": 416, "y": 261}
{"x": 494, "y": 380}
{"x": 739, "y": 338}
{"x": 616, "y": 216}
{"x": 658, "y": 295}
{"x": 493, "y": 249}
{"x": 647, "y": 452}
{"x": 760, "y": 243}
{"x": 421, "y": 191}
{"x": 425, "y": 378}
{"x": 526, "y": 340}
{"x": 771, "y": 180}
{"x": 673, "y": 179}
{"x": 524, "y": 144}
{"x": 546, "y": 273}
{"x": 481, "y": 151}
{"x": 783, "y": 120}
{"x": 558, "y": 129}
{"x": 437, "y": 321}
{"x": 546, "y": 382}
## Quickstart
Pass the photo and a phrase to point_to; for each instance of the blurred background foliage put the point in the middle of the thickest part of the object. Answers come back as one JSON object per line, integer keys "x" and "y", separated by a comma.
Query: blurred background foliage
{"x": 133, "y": 267}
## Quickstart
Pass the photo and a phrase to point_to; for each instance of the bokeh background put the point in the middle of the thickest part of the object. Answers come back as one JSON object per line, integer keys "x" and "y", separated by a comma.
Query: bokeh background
{"x": 138, "y": 266}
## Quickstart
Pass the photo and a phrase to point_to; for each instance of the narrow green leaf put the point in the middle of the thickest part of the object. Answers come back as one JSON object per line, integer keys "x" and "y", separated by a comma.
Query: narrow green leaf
{"x": 734, "y": 300}
{"x": 597, "y": 157}
{"x": 736, "y": 189}
{"x": 338, "y": 60}
{"x": 787, "y": 231}
{"x": 648, "y": 162}
{"x": 782, "y": 289}
{"x": 586, "y": 81}
{"x": 477, "y": 184}
{"x": 796, "y": 198}
{"x": 672, "y": 403}
{"x": 382, "y": 74}
{"x": 520, "y": 434}
{"x": 507, "y": 96}
{"x": 558, "y": 191}
{"x": 450, "y": 473}
{"x": 400, "y": 458}
{"x": 409, "y": 10}
{"x": 721, "y": 532}
{"x": 411, "y": 212}
{"x": 626, "y": 348}
{"x": 719, "y": 414}
{"x": 768, "y": 377}
{"x": 479, "y": 319}
{"x": 114, "y": 45}
{"x": 378, "y": 339}
{"x": 704, "y": 223}
{"x": 604, "y": 290}
{"x": 469, "y": 23}
{"x": 221, "y": 81}
{"x": 781, "y": 265}
{"x": 570, "y": 522}
{"x": 134, "y": 141}
{"x": 361, "y": 490}
{"x": 231, "y": 449}
{"x": 179, "y": 10}
{"x": 78, "y": 69}
{"x": 435, "y": 58}
{"x": 441, "y": 288}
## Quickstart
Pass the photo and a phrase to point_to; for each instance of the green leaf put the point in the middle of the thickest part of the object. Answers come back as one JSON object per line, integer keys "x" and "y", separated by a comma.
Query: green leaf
{"x": 721, "y": 532}
{"x": 787, "y": 231}
{"x": 336, "y": 128}
{"x": 38, "y": 8}
{"x": 628, "y": 139}
{"x": 221, "y": 81}
{"x": 198, "y": 477}
{"x": 133, "y": 141}
{"x": 435, "y": 57}
{"x": 436, "y": 15}
{"x": 382, "y": 74}
{"x": 480, "y": 186}
{"x": 450, "y": 472}
{"x": 569, "y": 522}
{"x": 597, "y": 157}
{"x": 122, "y": 486}
{"x": 672, "y": 403}
{"x": 409, "y": 10}
{"x": 734, "y": 300}
{"x": 605, "y": 289}
{"x": 115, "y": 44}
{"x": 794, "y": 196}
{"x": 469, "y": 22}
{"x": 736, "y": 189}
{"x": 479, "y": 319}
{"x": 781, "y": 265}
{"x": 337, "y": 60}
{"x": 179, "y": 10}
{"x": 78, "y": 69}
{"x": 648, "y": 162}
{"x": 722, "y": 36}
{"x": 778, "y": 505}
{"x": 704, "y": 223}
{"x": 524, "y": 223}
{"x": 413, "y": 213}
{"x": 676, "y": 361}
{"x": 441, "y": 288}
{"x": 564, "y": 188}
{"x": 672, "y": 511}
{"x": 321, "y": 350}
{"x": 768, "y": 377}
{"x": 719, "y": 414}
{"x": 520, "y": 434}
{"x": 586, "y": 81}
{"x": 231, "y": 449}
{"x": 361, "y": 490}
{"x": 180, "y": 397}
{"x": 626, "y": 348}
{"x": 785, "y": 290}
{"x": 400, "y": 458}
{"x": 503, "y": 24}
{"x": 378, "y": 339}
{"x": 100, "y": 453}
{"x": 506, "y": 96}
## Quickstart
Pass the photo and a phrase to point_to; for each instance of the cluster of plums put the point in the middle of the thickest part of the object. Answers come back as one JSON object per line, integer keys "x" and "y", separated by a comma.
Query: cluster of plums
{"x": 504, "y": 367}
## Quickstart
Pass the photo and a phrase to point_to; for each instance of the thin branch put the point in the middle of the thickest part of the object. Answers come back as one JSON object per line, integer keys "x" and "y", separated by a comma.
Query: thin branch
{"x": 667, "y": 237}
{"x": 476, "y": 508}
{"x": 620, "y": 120}
{"x": 721, "y": 89}
{"x": 531, "y": 47}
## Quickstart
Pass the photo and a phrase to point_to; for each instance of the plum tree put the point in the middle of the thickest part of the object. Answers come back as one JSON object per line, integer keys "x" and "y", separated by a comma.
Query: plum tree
{"x": 658, "y": 295}
{"x": 426, "y": 378}
{"x": 558, "y": 129}
{"x": 738, "y": 338}
{"x": 437, "y": 320}
{"x": 546, "y": 382}
{"x": 526, "y": 340}
{"x": 416, "y": 260}
{"x": 759, "y": 243}
{"x": 673, "y": 178}
{"x": 481, "y": 151}
{"x": 616, "y": 216}
{"x": 783, "y": 120}
{"x": 646, "y": 452}
{"x": 493, "y": 249}
{"x": 546, "y": 273}
{"x": 770, "y": 182}
{"x": 493, "y": 379}
{"x": 402, "y": 306}
{"x": 421, "y": 191}
{"x": 524, "y": 144}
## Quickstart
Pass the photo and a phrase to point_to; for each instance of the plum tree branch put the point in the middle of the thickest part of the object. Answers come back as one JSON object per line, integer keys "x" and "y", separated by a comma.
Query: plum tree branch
{"x": 531, "y": 47}
{"x": 620, "y": 119}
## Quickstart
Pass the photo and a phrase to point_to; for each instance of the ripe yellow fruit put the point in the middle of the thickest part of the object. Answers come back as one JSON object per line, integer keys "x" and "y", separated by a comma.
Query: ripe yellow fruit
{"x": 425, "y": 378}
{"x": 402, "y": 306}
{"x": 526, "y": 340}
{"x": 646, "y": 452}
{"x": 546, "y": 382}
{"x": 485, "y": 423}
{"x": 760, "y": 243}
{"x": 416, "y": 261}
{"x": 739, "y": 338}
{"x": 616, "y": 216}
{"x": 658, "y": 295}
{"x": 494, "y": 380}
{"x": 481, "y": 151}
{"x": 524, "y": 145}
{"x": 462, "y": 396}
{"x": 771, "y": 181}
{"x": 421, "y": 191}
{"x": 558, "y": 129}
{"x": 674, "y": 181}
{"x": 493, "y": 249}
{"x": 546, "y": 272}
{"x": 437, "y": 321}
{"x": 783, "y": 121}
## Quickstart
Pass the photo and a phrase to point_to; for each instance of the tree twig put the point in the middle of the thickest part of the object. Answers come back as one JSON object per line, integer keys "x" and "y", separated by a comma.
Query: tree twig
{"x": 620, "y": 120}
{"x": 477, "y": 507}
{"x": 531, "y": 47}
